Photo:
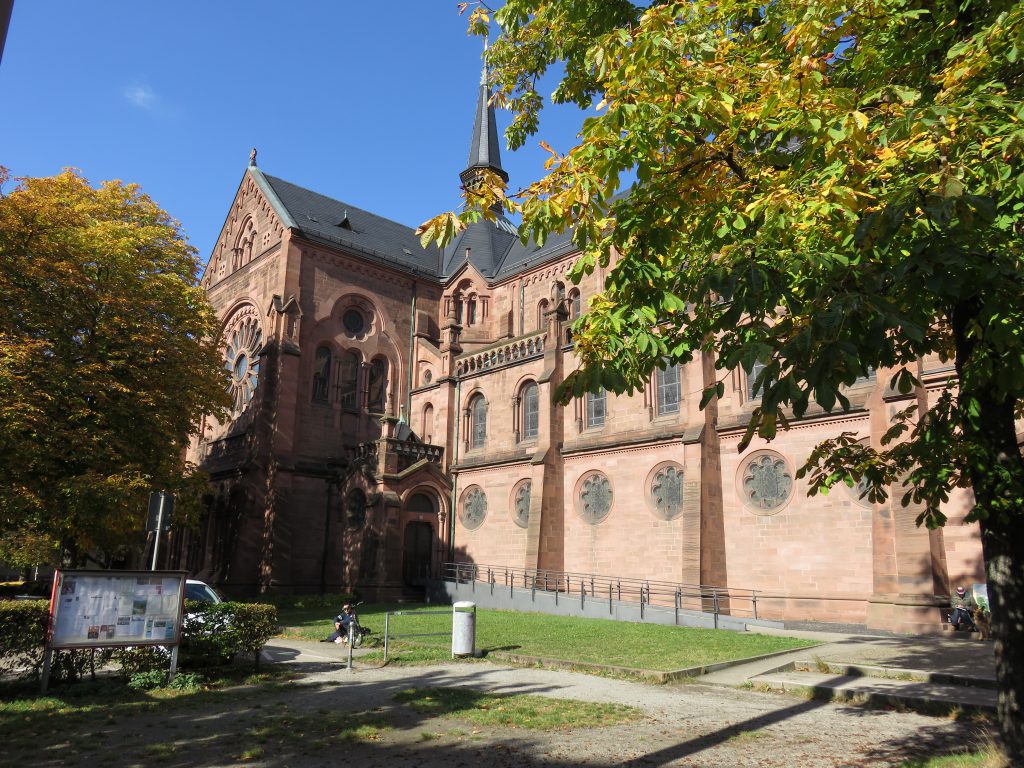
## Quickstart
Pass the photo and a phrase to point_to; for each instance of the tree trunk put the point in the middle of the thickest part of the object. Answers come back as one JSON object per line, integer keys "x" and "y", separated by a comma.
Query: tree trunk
{"x": 1003, "y": 546}
{"x": 996, "y": 471}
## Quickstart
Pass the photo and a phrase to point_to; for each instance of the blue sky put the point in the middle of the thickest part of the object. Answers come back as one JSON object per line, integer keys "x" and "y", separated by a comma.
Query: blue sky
{"x": 370, "y": 103}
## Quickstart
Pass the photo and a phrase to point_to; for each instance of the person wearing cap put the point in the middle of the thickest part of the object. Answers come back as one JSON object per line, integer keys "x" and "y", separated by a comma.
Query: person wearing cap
{"x": 962, "y": 604}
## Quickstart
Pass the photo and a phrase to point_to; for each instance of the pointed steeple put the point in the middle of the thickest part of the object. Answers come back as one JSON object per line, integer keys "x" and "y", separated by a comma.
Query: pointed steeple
{"x": 483, "y": 146}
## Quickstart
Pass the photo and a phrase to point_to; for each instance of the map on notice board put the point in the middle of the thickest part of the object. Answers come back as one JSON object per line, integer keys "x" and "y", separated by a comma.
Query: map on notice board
{"x": 109, "y": 608}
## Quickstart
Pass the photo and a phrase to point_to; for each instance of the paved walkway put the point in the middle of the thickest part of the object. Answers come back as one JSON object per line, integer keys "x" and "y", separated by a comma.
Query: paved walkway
{"x": 924, "y": 671}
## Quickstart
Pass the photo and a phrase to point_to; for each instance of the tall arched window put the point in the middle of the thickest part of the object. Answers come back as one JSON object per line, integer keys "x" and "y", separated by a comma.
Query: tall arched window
{"x": 427, "y": 432}
{"x": 595, "y": 409}
{"x": 542, "y": 310}
{"x": 478, "y": 421}
{"x": 752, "y": 380}
{"x": 378, "y": 389}
{"x": 667, "y": 385}
{"x": 574, "y": 303}
{"x": 321, "y": 375}
{"x": 349, "y": 383}
{"x": 531, "y": 411}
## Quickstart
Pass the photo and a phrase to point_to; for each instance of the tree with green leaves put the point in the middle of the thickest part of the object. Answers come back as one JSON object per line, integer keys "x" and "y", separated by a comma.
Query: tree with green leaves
{"x": 108, "y": 358}
{"x": 824, "y": 188}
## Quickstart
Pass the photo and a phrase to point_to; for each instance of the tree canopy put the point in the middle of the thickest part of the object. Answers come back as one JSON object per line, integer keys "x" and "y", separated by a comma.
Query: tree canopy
{"x": 824, "y": 188}
{"x": 108, "y": 357}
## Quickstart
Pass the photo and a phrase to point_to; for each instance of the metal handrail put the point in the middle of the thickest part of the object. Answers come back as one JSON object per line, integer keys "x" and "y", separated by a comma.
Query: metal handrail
{"x": 656, "y": 594}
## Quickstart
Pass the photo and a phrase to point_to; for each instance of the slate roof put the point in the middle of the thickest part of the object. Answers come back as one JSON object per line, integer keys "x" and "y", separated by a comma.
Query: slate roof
{"x": 334, "y": 222}
{"x": 494, "y": 247}
{"x": 484, "y": 150}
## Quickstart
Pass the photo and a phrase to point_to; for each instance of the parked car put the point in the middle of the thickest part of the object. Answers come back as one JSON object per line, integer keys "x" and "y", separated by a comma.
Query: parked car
{"x": 201, "y": 591}
{"x": 27, "y": 590}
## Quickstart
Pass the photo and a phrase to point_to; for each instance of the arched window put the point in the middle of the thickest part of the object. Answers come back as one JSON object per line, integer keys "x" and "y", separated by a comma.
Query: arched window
{"x": 667, "y": 386}
{"x": 574, "y": 303}
{"x": 478, "y": 421}
{"x": 752, "y": 380}
{"x": 349, "y": 383}
{"x": 378, "y": 385}
{"x": 321, "y": 375}
{"x": 542, "y": 310}
{"x": 427, "y": 432}
{"x": 355, "y": 508}
{"x": 531, "y": 411}
{"x": 421, "y": 503}
{"x": 595, "y": 409}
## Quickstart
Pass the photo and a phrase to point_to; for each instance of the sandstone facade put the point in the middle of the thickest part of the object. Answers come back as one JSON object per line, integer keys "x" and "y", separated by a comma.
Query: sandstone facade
{"x": 394, "y": 411}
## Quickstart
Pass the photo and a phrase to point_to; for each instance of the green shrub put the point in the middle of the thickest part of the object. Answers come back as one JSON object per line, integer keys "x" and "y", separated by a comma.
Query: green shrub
{"x": 148, "y": 680}
{"x": 23, "y": 626}
{"x": 211, "y": 634}
{"x": 217, "y": 633}
{"x": 141, "y": 658}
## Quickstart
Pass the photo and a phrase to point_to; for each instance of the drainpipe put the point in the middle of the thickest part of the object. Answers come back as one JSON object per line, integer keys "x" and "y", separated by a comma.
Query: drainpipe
{"x": 522, "y": 308}
{"x": 455, "y": 475}
{"x": 412, "y": 354}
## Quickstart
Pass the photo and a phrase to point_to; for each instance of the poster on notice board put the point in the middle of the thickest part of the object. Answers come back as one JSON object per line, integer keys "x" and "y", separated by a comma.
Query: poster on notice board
{"x": 111, "y": 608}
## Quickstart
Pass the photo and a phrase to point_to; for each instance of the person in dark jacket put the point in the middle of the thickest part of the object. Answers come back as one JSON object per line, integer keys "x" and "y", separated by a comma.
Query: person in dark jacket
{"x": 341, "y": 625}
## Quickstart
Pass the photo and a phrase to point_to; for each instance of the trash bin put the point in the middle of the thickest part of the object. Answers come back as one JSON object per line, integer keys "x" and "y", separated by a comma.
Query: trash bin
{"x": 463, "y": 628}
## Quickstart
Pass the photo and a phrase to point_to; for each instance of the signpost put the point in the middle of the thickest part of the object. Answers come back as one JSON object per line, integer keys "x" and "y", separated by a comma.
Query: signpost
{"x": 158, "y": 521}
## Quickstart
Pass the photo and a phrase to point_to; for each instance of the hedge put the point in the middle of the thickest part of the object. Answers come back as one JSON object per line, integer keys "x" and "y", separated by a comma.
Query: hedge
{"x": 210, "y": 634}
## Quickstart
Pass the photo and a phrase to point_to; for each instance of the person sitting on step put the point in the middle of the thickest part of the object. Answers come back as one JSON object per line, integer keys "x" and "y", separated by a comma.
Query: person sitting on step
{"x": 962, "y": 604}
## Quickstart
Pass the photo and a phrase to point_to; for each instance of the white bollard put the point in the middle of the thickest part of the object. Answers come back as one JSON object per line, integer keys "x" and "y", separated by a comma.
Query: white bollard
{"x": 463, "y": 628}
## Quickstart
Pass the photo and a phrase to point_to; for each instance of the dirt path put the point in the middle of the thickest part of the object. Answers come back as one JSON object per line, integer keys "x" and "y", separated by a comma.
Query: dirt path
{"x": 299, "y": 725}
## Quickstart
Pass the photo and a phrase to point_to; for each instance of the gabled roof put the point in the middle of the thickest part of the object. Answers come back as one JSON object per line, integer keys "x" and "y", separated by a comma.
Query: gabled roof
{"x": 334, "y": 222}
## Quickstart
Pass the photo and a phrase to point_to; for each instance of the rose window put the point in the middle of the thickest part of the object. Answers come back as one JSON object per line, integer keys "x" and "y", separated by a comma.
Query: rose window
{"x": 242, "y": 359}
{"x": 767, "y": 483}
{"x": 474, "y": 509}
{"x": 595, "y": 500}
{"x": 522, "y": 508}
{"x": 667, "y": 492}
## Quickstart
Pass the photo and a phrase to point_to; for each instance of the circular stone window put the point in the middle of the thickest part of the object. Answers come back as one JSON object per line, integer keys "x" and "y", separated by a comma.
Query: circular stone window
{"x": 521, "y": 503}
{"x": 242, "y": 357}
{"x": 594, "y": 500}
{"x": 427, "y": 377}
{"x": 665, "y": 491}
{"x": 766, "y": 483}
{"x": 859, "y": 492}
{"x": 354, "y": 322}
{"x": 473, "y": 509}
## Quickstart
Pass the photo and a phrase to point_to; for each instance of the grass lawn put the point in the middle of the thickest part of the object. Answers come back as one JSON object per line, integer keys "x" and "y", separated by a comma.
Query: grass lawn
{"x": 988, "y": 758}
{"x": 517, "y": 711}
{"x": 617, "y": 643}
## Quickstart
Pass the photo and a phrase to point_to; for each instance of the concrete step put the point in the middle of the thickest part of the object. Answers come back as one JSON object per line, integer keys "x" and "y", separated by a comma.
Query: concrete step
{"x": 913, "y": 693}
{"x": 891, "y": 673}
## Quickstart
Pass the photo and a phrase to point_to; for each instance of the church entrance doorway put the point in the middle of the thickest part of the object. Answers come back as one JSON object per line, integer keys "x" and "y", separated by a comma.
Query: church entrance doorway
{"x": 416, "y": 560}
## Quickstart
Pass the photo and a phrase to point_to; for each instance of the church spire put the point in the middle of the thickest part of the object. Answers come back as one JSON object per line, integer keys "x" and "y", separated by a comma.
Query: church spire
{"x": 483, "y": 146}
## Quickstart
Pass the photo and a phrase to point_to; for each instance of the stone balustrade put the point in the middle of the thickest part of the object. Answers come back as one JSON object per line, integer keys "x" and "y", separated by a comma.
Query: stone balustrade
{"x": 523, "y": 348}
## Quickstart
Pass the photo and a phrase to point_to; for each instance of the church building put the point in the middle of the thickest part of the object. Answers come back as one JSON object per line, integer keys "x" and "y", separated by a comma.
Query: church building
{"x": 393, "y": 411}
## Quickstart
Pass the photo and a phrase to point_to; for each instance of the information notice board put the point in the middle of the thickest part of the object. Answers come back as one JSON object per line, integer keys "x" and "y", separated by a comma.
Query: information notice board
{"x": 92, "y": 609}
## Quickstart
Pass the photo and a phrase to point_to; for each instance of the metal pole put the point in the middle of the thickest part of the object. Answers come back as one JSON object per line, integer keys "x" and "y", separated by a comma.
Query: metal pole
{"x": 387, "y": 616}
{"x": 159, "y": 530}
{"x": 351, "y": 635}
{"x": 714, "y": 598}
{"x": 753, "y": 597}
{"x": 47, "y": 660}
{"x": 174, "y": 664}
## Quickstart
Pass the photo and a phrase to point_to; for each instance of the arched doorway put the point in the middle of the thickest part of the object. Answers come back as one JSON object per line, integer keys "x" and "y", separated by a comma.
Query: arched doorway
{"x": 418, "y": 544}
